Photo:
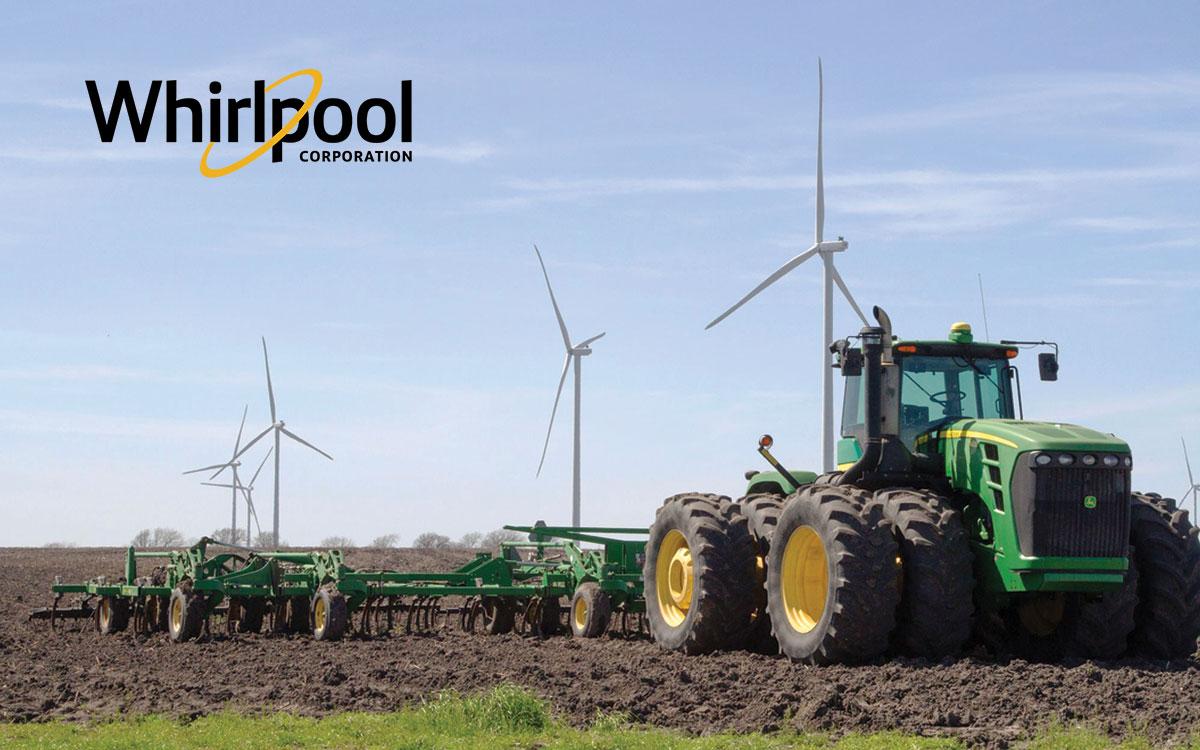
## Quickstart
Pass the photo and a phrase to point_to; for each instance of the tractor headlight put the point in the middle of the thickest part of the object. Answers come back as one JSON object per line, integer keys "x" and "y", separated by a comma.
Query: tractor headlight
{"x": 1043, "y": 459}
{"x": 1111, "y": 461}
{"x": 1089, "y": 460}
{"x": 1128, "y": 462}
{"x": 1065, "y": 459}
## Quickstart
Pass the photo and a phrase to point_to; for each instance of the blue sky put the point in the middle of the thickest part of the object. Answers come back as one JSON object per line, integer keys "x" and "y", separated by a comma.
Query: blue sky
{"x": 662, "y": 159}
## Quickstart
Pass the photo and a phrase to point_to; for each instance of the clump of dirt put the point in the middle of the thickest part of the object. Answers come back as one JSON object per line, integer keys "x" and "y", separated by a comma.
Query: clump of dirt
{"x": 81, "y": 675}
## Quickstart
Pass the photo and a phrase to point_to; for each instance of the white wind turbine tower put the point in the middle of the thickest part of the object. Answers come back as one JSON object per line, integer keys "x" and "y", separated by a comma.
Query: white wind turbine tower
{"x": 575, "y": 355}
{"x": 825, "y": 250}
{"x": 278, "y": 427}
{"x": 247, "y": 491}
{"x": 1193, "y": 486}
{"x": 233, "y": 464}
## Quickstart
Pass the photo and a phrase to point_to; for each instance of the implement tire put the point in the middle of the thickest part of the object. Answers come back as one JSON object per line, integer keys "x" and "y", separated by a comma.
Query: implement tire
{"x": 186, "y": 613}
{"x": 1168, "y": 562}
{"x": 832, "y": 588}
{"x": 329, "y": 615}
{"x": 112, "y": 616}
{"x": 252, "y": 611}
{"x": 699, "y": 575}
{"x": 499, "y": 615}
{"x": 937, "y": 583}
{"x": 762, "y": 515}
{"x": 590, "y": 610}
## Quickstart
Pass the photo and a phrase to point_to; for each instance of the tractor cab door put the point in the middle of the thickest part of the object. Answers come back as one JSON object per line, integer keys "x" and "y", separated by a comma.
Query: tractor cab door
{"x": 937, "y": 390}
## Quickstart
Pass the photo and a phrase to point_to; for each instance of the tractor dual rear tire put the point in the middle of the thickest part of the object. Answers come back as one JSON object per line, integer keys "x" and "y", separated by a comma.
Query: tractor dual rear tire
{"x": 762, "y": 516}
{"x": 1168, "y": 561}
{"x": 832, "y": 587}
{"x": 699, "y": 575}
{"x": 590, "y": 611}
{"x": 937, "y": 583}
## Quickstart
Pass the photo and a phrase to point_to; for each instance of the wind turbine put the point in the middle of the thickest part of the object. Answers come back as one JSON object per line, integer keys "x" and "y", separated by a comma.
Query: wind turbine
{"x": 1193, "y": 486}
{"x": 575, "y": 355}
{"x": 232, "y": 463}
{"x": 247, "y": 491}
{"x": 825, "y": 250}
{"x": 278, "y": 427}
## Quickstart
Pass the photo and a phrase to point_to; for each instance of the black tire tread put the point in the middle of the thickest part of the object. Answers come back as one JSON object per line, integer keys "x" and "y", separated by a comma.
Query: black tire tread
{"x": 1168, "y": 560}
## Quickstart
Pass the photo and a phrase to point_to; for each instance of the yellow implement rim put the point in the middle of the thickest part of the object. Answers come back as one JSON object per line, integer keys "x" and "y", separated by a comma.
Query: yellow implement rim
{"x": 319, "y": 614}
{"x": 580, "y": 613}
{"x": 176, "y": 615}
{"x": 804, "y": 578}
{"x": 673, "y": 578}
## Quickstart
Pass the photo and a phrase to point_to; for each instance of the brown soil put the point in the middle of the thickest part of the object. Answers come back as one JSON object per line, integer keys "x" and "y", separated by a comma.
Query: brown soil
{"x": 82, "y": 675}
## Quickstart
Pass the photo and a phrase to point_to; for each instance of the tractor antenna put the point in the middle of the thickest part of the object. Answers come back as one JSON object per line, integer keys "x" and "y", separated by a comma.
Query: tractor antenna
{"x": 983, "y": 303}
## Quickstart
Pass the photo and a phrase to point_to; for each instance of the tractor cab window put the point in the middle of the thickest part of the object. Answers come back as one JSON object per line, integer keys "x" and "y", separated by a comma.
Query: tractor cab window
{"x": 939, "y": 389}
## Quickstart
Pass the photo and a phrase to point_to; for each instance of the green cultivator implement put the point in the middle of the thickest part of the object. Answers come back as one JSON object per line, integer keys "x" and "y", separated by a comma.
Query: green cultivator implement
{"x": 524, "y": 588}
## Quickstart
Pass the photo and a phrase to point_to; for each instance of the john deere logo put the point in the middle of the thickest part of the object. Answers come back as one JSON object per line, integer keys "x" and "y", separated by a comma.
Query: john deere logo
{"x": 290, "y": 120}
{"x": 1090, "y": 502}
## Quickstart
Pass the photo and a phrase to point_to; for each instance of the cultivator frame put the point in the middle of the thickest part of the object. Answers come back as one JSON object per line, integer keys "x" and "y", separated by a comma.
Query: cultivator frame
{"x": 520, "y": 589}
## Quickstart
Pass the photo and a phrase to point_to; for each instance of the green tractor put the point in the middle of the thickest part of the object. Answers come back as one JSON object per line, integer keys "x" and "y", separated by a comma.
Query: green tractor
{"x": 951, "y": 519}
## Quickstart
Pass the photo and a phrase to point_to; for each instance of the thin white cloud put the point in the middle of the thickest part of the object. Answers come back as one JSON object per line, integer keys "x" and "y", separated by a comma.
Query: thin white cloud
{"x": 461, "y": 153}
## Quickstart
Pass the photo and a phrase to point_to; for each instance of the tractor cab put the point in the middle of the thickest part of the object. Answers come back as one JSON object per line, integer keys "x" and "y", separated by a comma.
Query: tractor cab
{"x": 931, "y": 384}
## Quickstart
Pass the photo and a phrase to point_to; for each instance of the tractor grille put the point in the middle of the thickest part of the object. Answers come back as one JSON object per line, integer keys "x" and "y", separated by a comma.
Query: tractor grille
{"x": 1053, "y": 514}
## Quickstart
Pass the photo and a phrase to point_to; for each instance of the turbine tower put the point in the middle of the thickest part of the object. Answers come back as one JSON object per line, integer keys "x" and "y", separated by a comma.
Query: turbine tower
{"x": 575, "y": 355}
{"x": 233, "y": 464}
{"x": 1193, "y": 487}
{"x": 247, "y": 490}
{"x": 825, "y": 250}
{"x": 278, "y": 426}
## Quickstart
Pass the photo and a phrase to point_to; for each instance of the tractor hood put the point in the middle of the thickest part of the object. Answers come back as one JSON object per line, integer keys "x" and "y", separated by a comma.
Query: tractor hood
{"x": 1026, "y": 436}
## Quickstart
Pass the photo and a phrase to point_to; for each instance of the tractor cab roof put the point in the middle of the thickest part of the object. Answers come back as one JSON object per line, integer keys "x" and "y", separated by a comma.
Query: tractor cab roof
{"x": 960, "y": 342}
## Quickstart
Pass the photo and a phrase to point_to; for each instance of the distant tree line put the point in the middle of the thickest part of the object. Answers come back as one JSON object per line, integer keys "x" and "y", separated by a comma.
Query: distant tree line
{"x": 168, "y": 537}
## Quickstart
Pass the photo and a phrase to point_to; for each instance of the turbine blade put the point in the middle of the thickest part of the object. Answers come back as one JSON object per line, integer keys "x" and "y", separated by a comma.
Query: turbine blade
{"x": 837, "y": 278}
{"x": 562, "y": 325}
{"x": 238, "y": 443}
{"x": 1187, "y": 462}
{"x": 250, "y": 444}
{"x": 783, "y": 271}
{"x": 304, "y": 442}
{"x": 207, "y": 468}
{"x": 261, "y": 465}
{"x": 557, "y": 395}
{"x": 820, "y": 156}
{"x": 1185, "y": 495}
{"x": 253, "y": 512}
{"x": 270, "y": 390}
{"x": 593, "y": 338}
{"x": 218, "y": 484}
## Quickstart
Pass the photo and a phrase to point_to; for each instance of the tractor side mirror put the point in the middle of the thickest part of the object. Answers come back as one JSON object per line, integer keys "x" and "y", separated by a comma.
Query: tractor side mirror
{"x": 849, "y": 361}
{"x": 1048, "y": 366}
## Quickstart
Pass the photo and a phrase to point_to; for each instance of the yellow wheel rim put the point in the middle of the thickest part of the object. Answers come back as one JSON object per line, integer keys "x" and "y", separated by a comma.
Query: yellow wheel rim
{"x": 804, "y": 578}
{"x": 319, "y": 614}
{"x": 1041, "y": 616}
{"x": 673, "y": 578}
{"x": 176, "y": 615}
{"x": 580, "y": 612}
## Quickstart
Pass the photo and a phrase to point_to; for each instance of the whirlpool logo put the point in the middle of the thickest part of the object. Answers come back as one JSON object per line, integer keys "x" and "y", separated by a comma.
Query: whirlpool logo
{"x": 331, "y": 120}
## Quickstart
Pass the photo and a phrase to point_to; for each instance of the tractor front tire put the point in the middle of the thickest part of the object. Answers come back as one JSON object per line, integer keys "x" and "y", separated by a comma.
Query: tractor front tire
{"x": 937, "y": 583}
{"x": 1168, "y": 561}
{"x": 699, "y": 575}
{"x": 832, "y": 588}
{"x": 590, "y": 610}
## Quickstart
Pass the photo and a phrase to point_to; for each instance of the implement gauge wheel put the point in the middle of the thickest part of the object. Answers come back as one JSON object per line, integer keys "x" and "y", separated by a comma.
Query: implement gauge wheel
{"x": 185, "y": 614}
{"x": 590, "y": 610}
{"x": 699, "y": 575}
{"x": 832, "y": 580}
{"x": 499, "y": 615}
{"x": 329, "y": 615}
{"x": 253, "y": 610}
{"x": 112, "y": 616}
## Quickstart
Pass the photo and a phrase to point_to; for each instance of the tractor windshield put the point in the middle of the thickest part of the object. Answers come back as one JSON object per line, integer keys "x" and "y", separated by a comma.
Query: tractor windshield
{"x": 939, "y": 389}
